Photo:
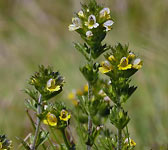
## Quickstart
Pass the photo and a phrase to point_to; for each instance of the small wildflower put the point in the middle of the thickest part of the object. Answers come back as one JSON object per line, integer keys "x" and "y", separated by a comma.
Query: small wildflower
{"x": 106, "y": 99}
{"x": 45, "y": 107}
{"x": 81, "y": 14}
{"x": 85, "y": 88}
{"x": 108, "y": 25}
{"x": 65, "y": 116}
{"x": 99, "y": 127}
{"x": 76, "y": 24}
{"x": 131, "y": 56}
{"x": 102, "y": 93}
{"x": 137, "y": 63}
{"x": 111, "y": 58}
{"x": 91, "y": 22}
{"x": 79, "y": 92}
{"x": 105, "y": 67}
{"x": 105, "y": 13}
{"x": 50, "y": 119}
{"x": 71, "y": 95}
{"x": 131, "y": 142}
{"x": 89, "y": 34}
{"x": 51, "y": 86}
{"x": 124, "y": 65}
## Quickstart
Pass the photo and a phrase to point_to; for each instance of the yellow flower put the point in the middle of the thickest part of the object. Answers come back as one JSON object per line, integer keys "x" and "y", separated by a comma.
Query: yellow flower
{"x": 102, "y": 93}
{"x": 137, "y": 63}
{"x": 1, "y": 145}
{"x": 89, "y": 34}
{"x": 81, "y": 14}
{"x": 105, "y": 13}
{"x": 131, "y": 56}
{"x": 51, "y": 86}
{"x": 65, "y": 116}
{"x": 50, "y": 119}
{"x": 111, "y": 58}
{"x": 108, "y": 25}
{"x": 76, "y": 24}
{"x": 72, "y": 97}
{"x": 124, "y": 64}
{"x": 105, "y": 67}
{"x": 79, "y": 92}
{"x": 131, "y": 142}
{"x": 85, "y": 88}
{"x": 91, "y": 22}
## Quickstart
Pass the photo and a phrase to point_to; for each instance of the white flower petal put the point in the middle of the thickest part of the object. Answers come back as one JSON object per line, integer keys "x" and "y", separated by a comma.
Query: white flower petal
{"x": 137, "y": 61}
{"x": 108, "y": 23}
{"x": 80, "y": 13}
{"x": 104, "y": 11}
{"x": 89, "y": 33}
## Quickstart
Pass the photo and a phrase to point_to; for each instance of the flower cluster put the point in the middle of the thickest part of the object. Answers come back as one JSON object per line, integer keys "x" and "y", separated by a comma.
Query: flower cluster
{"x": 104, "y": 98}
{"x": 120, "y": 60}
{"x": 92, "y": 22}
{"x": 56, "y": 115}
{"x": 5, "y": 144}
{"x": 89, "y": 21}
{"x": 47, "y": 82}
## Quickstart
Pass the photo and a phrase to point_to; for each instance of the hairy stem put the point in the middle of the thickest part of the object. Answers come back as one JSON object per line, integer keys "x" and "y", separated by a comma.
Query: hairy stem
{"x": 38, "y": 122}
{"x": 89, "y": 117}
{"x": 119, "y": 131}
{"x": 119, "y": 139}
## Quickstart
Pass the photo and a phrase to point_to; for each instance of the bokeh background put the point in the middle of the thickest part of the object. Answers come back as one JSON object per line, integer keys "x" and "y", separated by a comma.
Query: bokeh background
{"x": 34, "y": 32}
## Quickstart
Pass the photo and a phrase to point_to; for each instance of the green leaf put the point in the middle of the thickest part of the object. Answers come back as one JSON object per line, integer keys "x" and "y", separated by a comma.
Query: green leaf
{"x": 83, "y": 49}
{"x": 43, "y": 136}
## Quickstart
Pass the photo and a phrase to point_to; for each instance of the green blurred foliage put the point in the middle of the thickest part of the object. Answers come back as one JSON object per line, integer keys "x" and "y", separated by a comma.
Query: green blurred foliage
{"x": 36, "y": 32}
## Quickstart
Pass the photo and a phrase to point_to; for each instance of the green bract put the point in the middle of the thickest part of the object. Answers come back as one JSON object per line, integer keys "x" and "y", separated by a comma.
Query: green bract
{"x": 47, "y": 82}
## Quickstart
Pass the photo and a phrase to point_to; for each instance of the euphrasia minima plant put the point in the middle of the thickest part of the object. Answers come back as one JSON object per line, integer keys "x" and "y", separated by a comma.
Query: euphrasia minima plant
{"x": 98, "y": 104}
{"x": 102, "y": 99}
{"x": 51, "y": 117}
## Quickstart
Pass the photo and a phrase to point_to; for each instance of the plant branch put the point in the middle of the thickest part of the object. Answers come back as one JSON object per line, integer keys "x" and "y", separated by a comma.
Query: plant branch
{"x": 119, "y": 139}
{"x": 89, "y": 117}
{"x": 119, "y": 131}
{"x": 38, "y": 122}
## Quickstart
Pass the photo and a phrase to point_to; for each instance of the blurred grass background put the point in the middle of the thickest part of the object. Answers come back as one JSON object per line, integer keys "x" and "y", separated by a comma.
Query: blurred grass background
{"x": 36, "y": 32}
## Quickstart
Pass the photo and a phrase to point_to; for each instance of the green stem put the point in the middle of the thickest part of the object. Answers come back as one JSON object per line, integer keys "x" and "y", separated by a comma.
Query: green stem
{"x": 128, "y": 135}
{"x": 119, "y": 131}
{"x": 38, "y": 122}
{"x": 34, "y": 127}
{"x": 89, "y": 118}
{"x": 65, "y": 139}
{"x": 119, "y": 139}
{"x": 53, "y": 133}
